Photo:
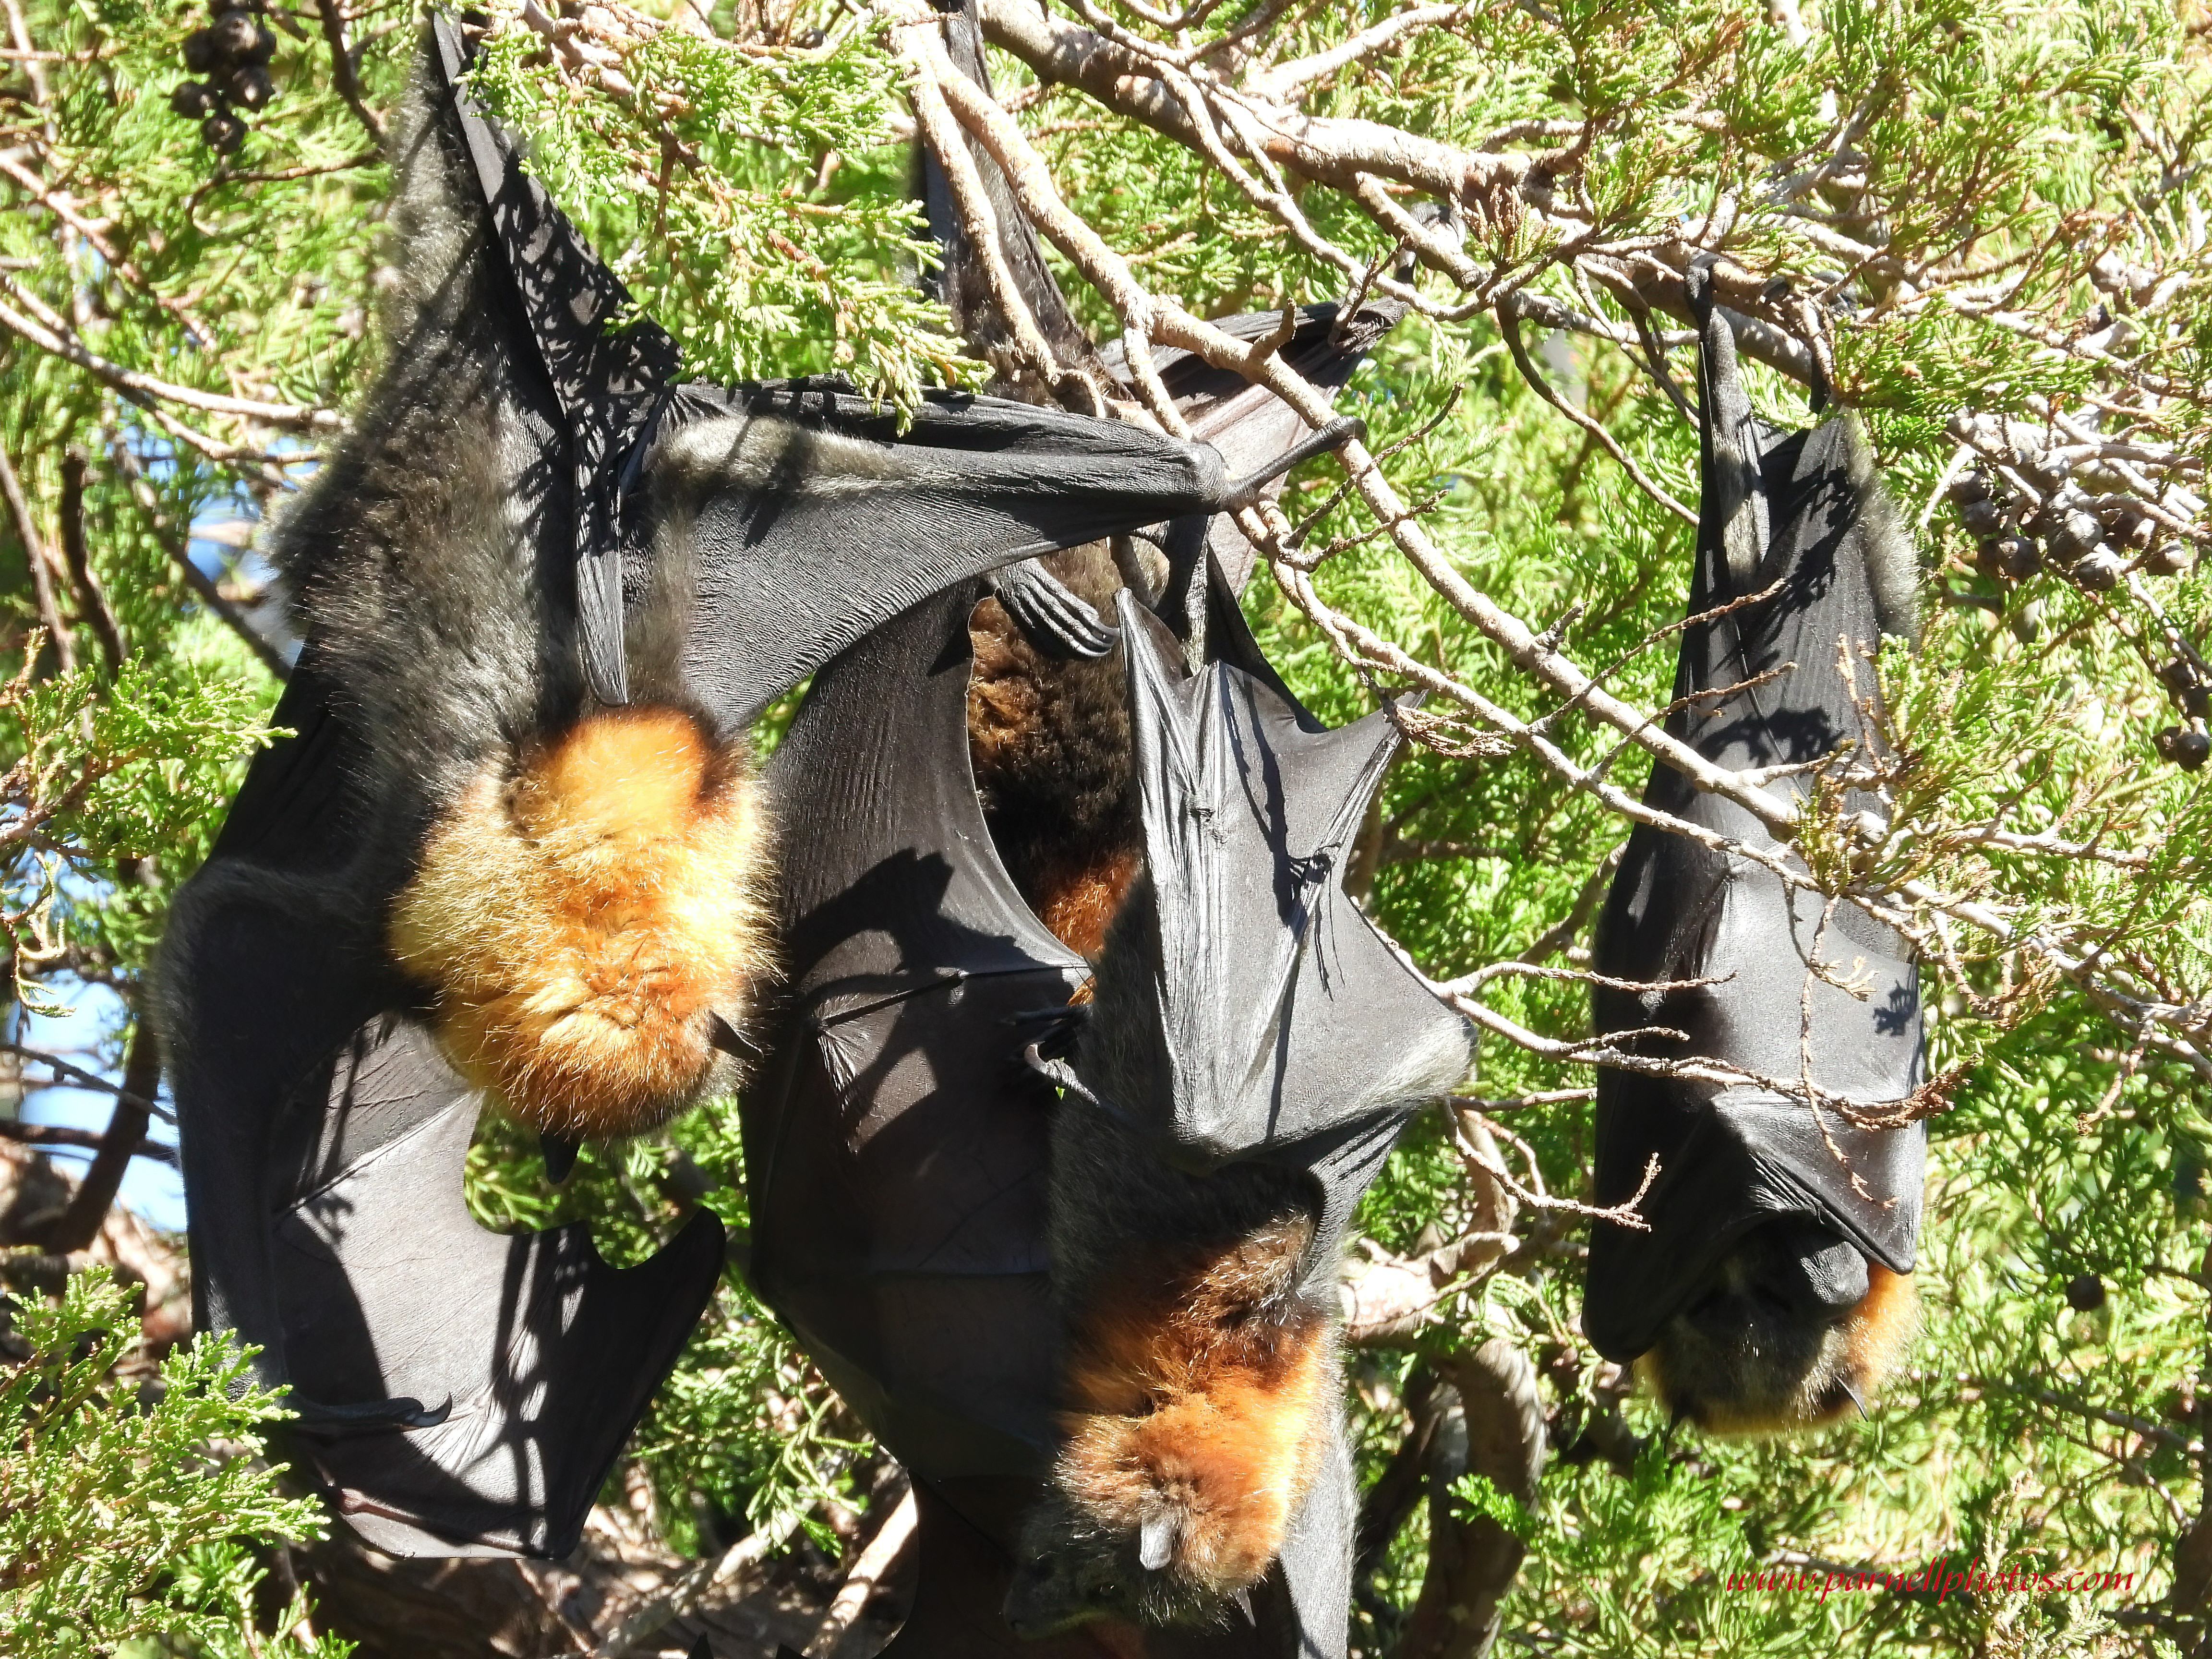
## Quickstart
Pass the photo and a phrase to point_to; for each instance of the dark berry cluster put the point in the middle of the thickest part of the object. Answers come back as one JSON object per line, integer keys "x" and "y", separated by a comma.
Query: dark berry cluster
{"x": 2190, "y": 688}
{"x": 231, "y": 56}
{"x": 2090, "y": 542}
{"x": 2094, "y": 543}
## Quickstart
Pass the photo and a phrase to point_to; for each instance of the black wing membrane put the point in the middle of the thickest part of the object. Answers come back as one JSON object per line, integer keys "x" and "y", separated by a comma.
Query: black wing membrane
{"x": 1283, "y": 1016}
{"x": 1773, "y": 680}
{"x": 817, "y": 519}
{"x": 608, "y": 369}
{"x": 820, "y": 514}
{"x": 895, "y": 1144}
{"x": 459, "y": 1391}
{"x": 462, "y": 1390}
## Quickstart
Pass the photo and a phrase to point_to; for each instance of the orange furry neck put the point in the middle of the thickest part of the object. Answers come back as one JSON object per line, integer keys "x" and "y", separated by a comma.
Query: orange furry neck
{"x": 1202, "y": 1394}
{"x": 585, "y": 913}
{"x": 1077, "y": 905}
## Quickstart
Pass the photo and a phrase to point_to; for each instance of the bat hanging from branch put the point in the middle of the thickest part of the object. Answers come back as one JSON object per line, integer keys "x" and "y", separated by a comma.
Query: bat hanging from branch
{"x": 907, "y": 1221}
{"x": 512, "y": 853}
{"x": 1773, "y": 1289}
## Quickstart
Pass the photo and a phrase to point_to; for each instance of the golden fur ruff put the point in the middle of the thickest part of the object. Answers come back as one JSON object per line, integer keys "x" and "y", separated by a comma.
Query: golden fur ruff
{"x": 585, "y": 914}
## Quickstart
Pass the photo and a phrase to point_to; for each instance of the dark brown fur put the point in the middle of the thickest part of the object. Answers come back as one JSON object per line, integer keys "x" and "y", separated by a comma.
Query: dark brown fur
{"x": 1049, "y": 741}
{"x": 1780, "y": 1376}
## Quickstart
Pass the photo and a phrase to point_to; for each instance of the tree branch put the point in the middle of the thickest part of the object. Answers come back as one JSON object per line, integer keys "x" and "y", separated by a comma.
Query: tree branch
{"x": 92, "y": 598}
{"x": 343, "y": 74}
{"x": 47, "y": 330}
{"x": 1329, "y": 149}
{"x": 180, "y": 554}
{"x": 78, "y": 1225}
{"x": 40, "y": 562}
{"x": 57, "y": 1134}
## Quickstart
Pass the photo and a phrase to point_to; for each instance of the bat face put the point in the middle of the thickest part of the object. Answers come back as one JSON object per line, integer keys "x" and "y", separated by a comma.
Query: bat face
{"x": 1770, "y": 1288}
{"x": 1792, "y": 1329}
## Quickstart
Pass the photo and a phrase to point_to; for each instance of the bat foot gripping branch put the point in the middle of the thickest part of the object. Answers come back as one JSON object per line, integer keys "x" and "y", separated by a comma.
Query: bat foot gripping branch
{"x": 1246, "y": 491}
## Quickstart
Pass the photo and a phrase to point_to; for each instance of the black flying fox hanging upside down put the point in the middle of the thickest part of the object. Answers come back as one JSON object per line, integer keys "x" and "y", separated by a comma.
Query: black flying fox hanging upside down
{"x": 1140, "y": 1314}
{"x": 512, "y": 853}
{"x": 906, "y": 1221}
{"x": 1772, "y": 1289}
{"x": 1252, "y": 1048}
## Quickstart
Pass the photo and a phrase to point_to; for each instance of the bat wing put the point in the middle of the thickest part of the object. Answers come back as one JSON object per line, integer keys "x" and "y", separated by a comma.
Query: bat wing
{"x": 610, "y": 370}
{"x": 1286, "y": 1026}
{"x": 896, "y": 1144}
{"x": 814, "y": 515}
{"x": 815, "y": 519}
{"x": 1774, "y": 680}
{"x": 459, "y": 1391}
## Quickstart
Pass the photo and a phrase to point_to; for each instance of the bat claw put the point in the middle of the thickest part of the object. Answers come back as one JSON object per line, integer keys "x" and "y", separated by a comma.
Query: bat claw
{"x": 330, "y": 1422}
{"x": 1057, "y": 622}
{"x": 559, "y": 1153}
{"x": 1246, "y": 491}
{"x": 1062, "y": 1026}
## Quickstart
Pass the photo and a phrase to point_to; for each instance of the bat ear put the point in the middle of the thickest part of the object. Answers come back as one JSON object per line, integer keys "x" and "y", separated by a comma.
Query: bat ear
{"x": 1156, "y": 1540}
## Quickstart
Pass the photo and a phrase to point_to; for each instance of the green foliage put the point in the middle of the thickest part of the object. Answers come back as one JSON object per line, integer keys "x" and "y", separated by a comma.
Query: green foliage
{"x": 708, "y": 187}
{"x": 126, "y": 1514}
{"x": 2004, "y": 161}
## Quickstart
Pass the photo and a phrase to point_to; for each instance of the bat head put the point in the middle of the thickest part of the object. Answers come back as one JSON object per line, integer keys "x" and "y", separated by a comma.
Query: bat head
{"x": 1201, "y": 1386}
{"x": 1075, "y": 1568}
{"x": 1771, "y": 1288}
{"x": 1252, "y": 1010}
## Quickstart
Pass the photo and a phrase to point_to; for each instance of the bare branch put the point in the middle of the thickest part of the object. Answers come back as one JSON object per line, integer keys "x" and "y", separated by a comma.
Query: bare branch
{"x": 78, "y": 1225}
{"x": 77, "y": 1076}
{"x": 57, "y": 1135}
{"x": 92, "y": 598}
{"x": 342, "y": 74}
{"x": 47, "y": 330}
{"x": 1328, "y": 149}
{"x": 41, "y": 560}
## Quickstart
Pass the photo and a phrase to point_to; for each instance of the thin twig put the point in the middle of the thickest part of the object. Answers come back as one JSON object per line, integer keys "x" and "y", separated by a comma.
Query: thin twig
{"x": 41, "y": 560}
{"x": 342, "y": 74}
{"x": 92, "y": 598}
{"x": 58, "y": 1134}
{"x": 47, "y": 330}
{"x": 77, "y": 1077}
{"x": 79, "y": 1222}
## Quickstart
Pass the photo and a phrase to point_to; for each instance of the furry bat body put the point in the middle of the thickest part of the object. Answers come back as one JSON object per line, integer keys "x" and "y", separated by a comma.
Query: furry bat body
{"x": 1250, "y": 1049}
{"x": 1773, "y": 1290}
{"x": 512, "y": 853}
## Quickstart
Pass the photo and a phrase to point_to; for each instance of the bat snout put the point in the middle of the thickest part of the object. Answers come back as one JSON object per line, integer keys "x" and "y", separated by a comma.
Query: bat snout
{"x": 1794, "y": 1272}
{"x": 1793, "y": 1328}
